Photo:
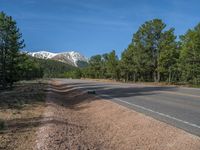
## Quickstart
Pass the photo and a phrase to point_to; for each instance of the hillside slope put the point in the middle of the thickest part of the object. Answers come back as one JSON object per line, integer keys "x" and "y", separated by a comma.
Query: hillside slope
{"x": 53, "y": 68}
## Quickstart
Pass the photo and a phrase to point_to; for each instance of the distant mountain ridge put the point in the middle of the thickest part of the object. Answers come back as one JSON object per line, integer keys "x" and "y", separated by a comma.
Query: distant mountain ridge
{"x": 71, "y": 57}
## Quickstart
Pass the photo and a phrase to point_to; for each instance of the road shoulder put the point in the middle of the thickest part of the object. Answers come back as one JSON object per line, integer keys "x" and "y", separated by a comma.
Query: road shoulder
{"x": 82, "y": 121}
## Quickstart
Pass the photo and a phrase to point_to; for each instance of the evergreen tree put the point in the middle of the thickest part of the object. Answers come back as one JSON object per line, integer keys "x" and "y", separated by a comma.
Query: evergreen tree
{"x": 168, "y": 57}
{"x": 190, "y": 56}
{"x": 28, "y": 69}
{"x": 104, "y": 67}
{"x": 128, "y": 66}
{"x": 95, "y": 65}
{"x": 10, "y": 45}
{"x": 150, "y": 42}
{"x": 112, "y": 65}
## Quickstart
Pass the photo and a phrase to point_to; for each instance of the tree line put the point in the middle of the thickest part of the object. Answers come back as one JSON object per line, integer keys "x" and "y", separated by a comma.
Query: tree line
{"x": 14, "y": 65}
{"x": 53, "y": 68}
{"x": 155, "y": 54}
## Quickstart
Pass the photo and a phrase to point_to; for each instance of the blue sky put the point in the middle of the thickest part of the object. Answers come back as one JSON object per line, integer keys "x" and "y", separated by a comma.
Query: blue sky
{"x": 94, "y": 26}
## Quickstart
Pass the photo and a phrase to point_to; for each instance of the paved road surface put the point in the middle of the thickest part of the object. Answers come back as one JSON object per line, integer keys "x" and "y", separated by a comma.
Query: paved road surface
{"x": 179, "y": 107}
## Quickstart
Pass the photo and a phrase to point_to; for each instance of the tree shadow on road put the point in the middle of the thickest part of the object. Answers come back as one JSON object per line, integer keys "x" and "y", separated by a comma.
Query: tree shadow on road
{"x": 71, "y": 95}
{"x": 67, "y": 96}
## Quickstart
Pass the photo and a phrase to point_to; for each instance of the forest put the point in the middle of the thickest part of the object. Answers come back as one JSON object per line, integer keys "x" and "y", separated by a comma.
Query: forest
{"x": 155, "y": 54}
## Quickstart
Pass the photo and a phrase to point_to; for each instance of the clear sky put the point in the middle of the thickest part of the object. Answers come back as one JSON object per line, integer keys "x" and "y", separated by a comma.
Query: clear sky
{"x": 94, "y": 26}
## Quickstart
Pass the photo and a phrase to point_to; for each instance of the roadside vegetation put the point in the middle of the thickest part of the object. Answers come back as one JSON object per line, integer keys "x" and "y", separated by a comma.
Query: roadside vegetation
{"x": 14, "y": 65}
{"x": 154, "y": 55}
{"x": 53, "y": 68}
{"x": 21, "y": 107}
{"x": 20, "y": 112}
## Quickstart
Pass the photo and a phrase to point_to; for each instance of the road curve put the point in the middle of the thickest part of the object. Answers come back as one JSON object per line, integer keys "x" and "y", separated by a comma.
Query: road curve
{"x": 179, "y": 107}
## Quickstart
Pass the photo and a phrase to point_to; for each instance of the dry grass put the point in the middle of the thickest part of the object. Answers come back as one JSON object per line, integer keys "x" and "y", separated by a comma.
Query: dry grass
{"x": 19, "y": 108}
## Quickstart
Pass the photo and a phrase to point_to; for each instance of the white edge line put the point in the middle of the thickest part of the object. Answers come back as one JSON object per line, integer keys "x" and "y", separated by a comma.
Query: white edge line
{"x": 150, "y": 110}
{"x": 147, "y": 109}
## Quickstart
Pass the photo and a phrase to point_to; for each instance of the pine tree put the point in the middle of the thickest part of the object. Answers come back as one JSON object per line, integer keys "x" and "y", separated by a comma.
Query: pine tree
{"x": 10, "y": 45}
{"x": 128, "y": 66}
{"x": 168, "y": 57}
{"x": 149, "y": 42}
{"x": 95, "y": 66}
{"x": 190, "y": 56}
{"x": 112, "y": 65}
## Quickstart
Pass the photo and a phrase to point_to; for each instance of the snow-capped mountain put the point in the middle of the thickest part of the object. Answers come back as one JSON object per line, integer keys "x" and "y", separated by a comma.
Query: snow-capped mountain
{"x": 43, "y": 54}
{"x": 71, "y": 57}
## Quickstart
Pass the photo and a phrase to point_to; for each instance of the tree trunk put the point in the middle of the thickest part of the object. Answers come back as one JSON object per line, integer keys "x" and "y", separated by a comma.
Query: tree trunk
{"x": 154, "y": 76}
{"x": 158, "y": 76}
{"x": 4, "y": 69}
{"x": 134, "y": 77}
{"x": 127, "y": 77}
{"x": 170, "y": 74}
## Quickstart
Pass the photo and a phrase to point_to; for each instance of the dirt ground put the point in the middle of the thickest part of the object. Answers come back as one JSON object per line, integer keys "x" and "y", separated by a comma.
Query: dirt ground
{"x": 21, "y": 110}
{"x": 71, "y": 119}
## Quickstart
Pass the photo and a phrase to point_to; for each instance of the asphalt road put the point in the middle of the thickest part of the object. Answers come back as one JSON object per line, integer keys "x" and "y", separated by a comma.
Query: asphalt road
{"x": 179, "y": 107}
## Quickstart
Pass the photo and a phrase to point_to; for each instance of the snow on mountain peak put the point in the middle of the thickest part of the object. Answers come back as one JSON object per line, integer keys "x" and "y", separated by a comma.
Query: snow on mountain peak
{"x": 43, "y": 54}
{"x": 70, "y": 57}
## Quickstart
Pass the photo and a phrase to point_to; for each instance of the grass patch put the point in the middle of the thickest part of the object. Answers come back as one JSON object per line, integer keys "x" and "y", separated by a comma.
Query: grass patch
{"x": 19, "y": 108}
{"x": 23, "y": 93}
